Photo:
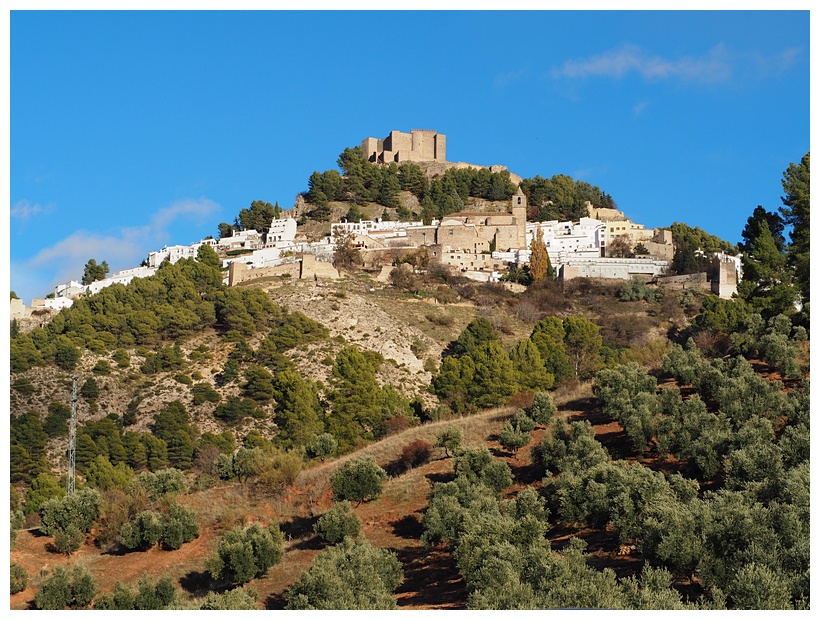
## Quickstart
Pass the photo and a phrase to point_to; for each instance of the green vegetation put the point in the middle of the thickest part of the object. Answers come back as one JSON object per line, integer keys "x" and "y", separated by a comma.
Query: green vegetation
{"x": 74, "y": 589}
{"x": 351, "y": 575}
{"x": 94, "y": 272}
{"x": 562, "y": 198}
{"x": 149, "y": 595}
{"x": 479, "y": 373}
{"x": 719, "y": 409}
{"x": 150, "y": 528}
{"x": 338, "y": 523}
{"x": 450, "y": 438}
{"x": 18, "y": 578}
{"x": 359, "y": 480}
{"x": 243, "y": 555}
{"x": 236, "y": 599}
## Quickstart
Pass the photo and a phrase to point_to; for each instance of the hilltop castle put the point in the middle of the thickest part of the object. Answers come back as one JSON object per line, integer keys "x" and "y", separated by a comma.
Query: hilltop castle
{"x": 418, "y": 145}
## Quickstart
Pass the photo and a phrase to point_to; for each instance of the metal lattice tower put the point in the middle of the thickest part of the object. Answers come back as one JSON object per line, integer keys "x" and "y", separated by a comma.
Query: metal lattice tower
{"x": 72, "y": 439}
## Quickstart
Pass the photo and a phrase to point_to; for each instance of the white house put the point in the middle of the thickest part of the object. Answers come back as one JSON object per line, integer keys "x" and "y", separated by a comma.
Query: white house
{"x": 121, "y": 277}
{"x": 281, "y": 231}
{"x": 173, "y": 254}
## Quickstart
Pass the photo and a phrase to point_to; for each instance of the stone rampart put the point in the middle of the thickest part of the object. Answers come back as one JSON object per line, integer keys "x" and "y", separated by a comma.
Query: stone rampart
{"x": 690, "y": 281}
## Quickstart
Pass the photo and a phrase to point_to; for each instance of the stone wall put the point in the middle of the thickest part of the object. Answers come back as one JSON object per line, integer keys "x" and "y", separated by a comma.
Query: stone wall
{"x": 238, "y": 272}
{"x": 662, "y": 251}
{"x": 313, "y": 268}
{"x": 461, "y": 237}
{"x": 471, "y": 261}
{"x": 690, "y": 281}
{"x": 605, "y": 215}
{"x": 17, "y": 309}
{"x": 613, "y": 268}
{"x": 305, "y": 268}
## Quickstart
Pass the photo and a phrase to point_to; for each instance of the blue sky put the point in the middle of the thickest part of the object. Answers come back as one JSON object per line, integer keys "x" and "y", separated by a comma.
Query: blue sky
{"x": 132, "y": 130}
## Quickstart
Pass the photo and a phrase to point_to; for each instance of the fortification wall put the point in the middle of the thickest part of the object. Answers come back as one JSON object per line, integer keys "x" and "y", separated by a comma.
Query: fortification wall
{"x": 605, "y": 215}
{"x": 313, "y": 268}
{"x": 613, "y": 268}
{"x": 662, "y": 251}
{"x": 690, "y": 281}
{"x": 238, "y": 272}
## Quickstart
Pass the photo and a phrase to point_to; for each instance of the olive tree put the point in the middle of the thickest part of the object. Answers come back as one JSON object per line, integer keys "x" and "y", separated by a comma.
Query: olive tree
{"x": 18, "y": 578}
{"x": 338, "y": 522}
{"x": 242, "y": 555}
{"x": 359, "y": 481}
{"x": 449, "y": 438}
{"x": 75, "y": 589}
{"x": 351, "y": 575}
{"x": 79, "y": 509}
{"x": 321, "y": 446}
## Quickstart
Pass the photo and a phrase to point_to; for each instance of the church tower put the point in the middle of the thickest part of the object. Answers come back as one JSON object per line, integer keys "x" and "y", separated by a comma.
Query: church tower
{"x": 519, "y": 211}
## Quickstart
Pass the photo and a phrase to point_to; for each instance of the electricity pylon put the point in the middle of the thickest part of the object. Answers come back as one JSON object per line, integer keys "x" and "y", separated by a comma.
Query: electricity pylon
{"x": 72, "y": 439}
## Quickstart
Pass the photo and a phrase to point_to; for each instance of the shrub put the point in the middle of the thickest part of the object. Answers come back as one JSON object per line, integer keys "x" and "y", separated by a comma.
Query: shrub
{"x": 18, "y": 578}
{"x": 480, "y": 466}
{"x": 203, "y": 392}
{"x": 68, "y": 540}
{"x": 121, "y": 357}
{"x": 236, "y": 599}
{"x": 90, "y": 389}
{"x": 522, "y": 422}
{"x": 243, "y": 555}
{"x": 248, "y": 463}
{"x": 63, "y": 589}
{"x": 144, "y": 531}
{"x": 79, "y": 509}
{"x": 359, "y": 481}
{"x": 149, "y": 596}
{"x": 236, "y": 408}
{"x": 161, "y": 483}
{"x": 635, "y": 290}
{"x": 24, "y": 386}
{"x": 351, "y": 575}
{"x": 149, "y": 528}
{"x": 43, "y": 488}
{"x": 543, "y": 409}
{"x": 511, "y": 438}
{"x": 102, "y": 368}
{"x": 180, "y": 527}
{"x": 321, "y": 446}
{"x": 414, "y": 454}
{"x": 337, "y": 523}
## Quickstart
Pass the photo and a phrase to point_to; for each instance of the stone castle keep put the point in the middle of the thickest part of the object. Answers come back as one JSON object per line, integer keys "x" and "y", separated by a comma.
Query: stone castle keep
{"x": 418, "y": 145}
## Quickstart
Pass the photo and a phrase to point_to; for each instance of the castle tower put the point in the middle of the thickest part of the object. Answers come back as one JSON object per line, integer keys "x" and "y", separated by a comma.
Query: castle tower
{"x": 519, "y": 211}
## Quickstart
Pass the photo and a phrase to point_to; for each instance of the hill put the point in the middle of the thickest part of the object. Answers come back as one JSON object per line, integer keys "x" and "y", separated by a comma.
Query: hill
{"x": 591, "y": 444}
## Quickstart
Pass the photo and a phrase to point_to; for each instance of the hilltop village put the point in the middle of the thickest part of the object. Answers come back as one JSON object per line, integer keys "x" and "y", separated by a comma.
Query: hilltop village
{"x": 482, "y": 245}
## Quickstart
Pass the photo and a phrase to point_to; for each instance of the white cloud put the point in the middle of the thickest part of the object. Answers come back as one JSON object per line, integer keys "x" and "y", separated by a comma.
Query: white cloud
{"x": 714, "y": 66}
{"x": 639, "y": 108}
{"x": 764, "y": 66}
{"x": 121, "y": 249}
{"x": 198, "y": 211}
{"x": 24, "y": 209}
